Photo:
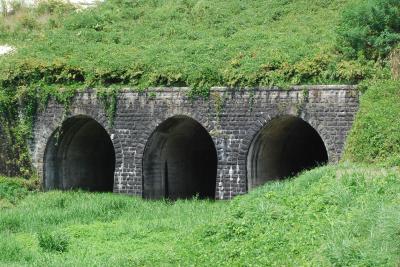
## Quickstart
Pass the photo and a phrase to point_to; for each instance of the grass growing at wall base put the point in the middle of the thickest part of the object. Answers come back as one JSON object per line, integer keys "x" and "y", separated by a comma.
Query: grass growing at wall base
{"x": 335, "y": 215}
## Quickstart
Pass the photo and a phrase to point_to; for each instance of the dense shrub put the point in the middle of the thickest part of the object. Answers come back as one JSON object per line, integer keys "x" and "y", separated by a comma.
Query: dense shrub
{"x": 14, "y": 189}
{"x": 53, "y": 242}
{"x": 370, "y": 28}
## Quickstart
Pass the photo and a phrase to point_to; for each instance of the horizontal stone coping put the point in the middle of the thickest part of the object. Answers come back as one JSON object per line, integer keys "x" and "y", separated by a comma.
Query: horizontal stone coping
{"x": 233, "y": 89}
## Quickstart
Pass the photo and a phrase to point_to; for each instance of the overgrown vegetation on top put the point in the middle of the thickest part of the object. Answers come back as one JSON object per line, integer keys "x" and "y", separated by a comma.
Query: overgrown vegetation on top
{"x": 344, "y": 215}
{"x": 184, "y": 43}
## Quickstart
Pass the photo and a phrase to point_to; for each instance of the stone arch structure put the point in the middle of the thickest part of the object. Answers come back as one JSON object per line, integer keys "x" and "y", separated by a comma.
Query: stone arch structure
{"x": 51, "y": 121}
{"x": 146, "y": 132}
{"x": 79, "y": 155}
{"x": 231, "y": 117}
{"x": 179, "y": 160}
{"x": 283, "y": 147}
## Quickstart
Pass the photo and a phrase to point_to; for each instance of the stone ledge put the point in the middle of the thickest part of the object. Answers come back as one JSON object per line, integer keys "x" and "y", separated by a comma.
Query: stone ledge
{"x": 230, "y": 89}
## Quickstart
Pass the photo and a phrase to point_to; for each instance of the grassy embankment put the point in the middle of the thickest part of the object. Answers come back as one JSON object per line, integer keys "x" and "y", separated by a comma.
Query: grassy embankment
{"x": 343, "y": 215}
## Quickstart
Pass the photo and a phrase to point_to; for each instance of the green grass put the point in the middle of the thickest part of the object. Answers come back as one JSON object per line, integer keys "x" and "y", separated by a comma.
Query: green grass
{"x": 335, "y": 215}
{"x": 14, "y": 189}
{"x": 375, "y": 135}
{"x": 188, "y": 42}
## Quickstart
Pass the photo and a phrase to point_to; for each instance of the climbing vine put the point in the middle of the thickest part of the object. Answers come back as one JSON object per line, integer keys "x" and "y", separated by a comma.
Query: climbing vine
{"x": 251, "y": 100}
{"x": 19, "y": 108}
{"x": 301, "y": 104}
{"x": 109, "y": 98}
{"x": 219, "y": 101}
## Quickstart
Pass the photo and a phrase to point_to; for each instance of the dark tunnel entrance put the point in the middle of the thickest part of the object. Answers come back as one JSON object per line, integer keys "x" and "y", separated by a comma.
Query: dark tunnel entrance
{"x": 284, "y": 147}
{"x": 180, "y": 161}
{"x": 80, "y": 156}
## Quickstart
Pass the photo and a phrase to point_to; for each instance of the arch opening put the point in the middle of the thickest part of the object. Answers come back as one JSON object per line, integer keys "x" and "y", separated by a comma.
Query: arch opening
{"x": 80, "y": 156}
{"x": 284, "y": 147}
{"x": 180, "y": 161}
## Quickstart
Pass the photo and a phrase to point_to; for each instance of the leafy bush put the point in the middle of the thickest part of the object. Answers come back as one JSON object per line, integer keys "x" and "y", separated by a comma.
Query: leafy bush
{"x": 370, "y": 28}
{"x": 54, "y": 241}
{"x": 14, "y": 189}
{"x": 11, "y": 190}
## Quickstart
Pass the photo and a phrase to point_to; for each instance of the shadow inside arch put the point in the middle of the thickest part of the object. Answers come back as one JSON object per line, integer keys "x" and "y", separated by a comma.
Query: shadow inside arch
{"x": 79, "y": 155}
{"x": 179, "y": 161}
{"x": 285, "y": 146}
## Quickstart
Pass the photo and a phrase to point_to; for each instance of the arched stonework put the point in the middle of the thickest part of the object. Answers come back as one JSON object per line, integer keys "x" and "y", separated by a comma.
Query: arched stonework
{"x": 50, "y": 120}
{"x": 203, "y": 121}
{"x": 282, "y": 147}
{"x": 80, "y": 155}
{"x": 231, "y": 117}
{"x": 263, "y": 120}
{"x": 192, "y": 141}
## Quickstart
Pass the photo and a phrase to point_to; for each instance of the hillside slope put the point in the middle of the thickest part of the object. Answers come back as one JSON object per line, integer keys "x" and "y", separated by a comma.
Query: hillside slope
{"x": 341, "y": 216}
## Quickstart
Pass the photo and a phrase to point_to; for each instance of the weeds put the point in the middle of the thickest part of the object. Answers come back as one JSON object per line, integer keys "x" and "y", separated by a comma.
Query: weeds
{"x": 53, "y": 242}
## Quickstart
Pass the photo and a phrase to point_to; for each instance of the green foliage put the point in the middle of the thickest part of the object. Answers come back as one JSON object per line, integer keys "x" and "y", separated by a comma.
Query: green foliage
{"x": 53, "y": 242}
{"x": 11, "y": 190}
{"x": 219, "y": 102}
{"x": 375, "y": 136}
{"x": 19, "y": 108}
{"x": 109, "y": 97}
{"x": 370, "y": 28}
{"x": 343, "y": 215}
{"x": 50, "y": 7}
{"x": 14, "y": 189}
{"x": 328, "y": 216}
{"x": 184, "y": 43}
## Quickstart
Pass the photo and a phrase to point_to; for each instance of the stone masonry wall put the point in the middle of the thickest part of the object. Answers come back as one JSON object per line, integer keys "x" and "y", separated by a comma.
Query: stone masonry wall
{"x": 232, "y": 118}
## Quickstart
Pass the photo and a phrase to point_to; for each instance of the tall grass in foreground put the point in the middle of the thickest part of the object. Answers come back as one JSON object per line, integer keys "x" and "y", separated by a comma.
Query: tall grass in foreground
{"x": 345, "y": 215}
